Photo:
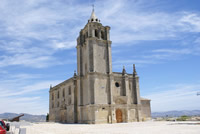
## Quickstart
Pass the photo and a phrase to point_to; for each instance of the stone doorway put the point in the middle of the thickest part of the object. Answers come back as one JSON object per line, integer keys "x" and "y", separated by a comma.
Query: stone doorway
{"x": 119, "y": 116}
{"x": 63, "y": 116}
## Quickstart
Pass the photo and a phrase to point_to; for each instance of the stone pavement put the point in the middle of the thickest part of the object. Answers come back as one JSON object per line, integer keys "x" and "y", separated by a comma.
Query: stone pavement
{"x": 152, "y": 127}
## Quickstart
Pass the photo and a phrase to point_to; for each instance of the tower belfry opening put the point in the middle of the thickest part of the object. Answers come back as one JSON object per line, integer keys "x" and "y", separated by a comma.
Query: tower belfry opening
{"x": 96, "y": 94}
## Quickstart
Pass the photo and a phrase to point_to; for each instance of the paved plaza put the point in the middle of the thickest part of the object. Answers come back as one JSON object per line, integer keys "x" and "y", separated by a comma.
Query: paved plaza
{"x": 119, "y": 128}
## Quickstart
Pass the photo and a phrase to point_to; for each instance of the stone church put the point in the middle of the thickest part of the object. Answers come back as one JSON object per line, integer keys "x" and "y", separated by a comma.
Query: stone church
{"x": 96, "y": 94}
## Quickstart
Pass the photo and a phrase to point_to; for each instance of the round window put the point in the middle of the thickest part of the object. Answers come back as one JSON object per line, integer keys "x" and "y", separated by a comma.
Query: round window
{"x": 116, "y": 84}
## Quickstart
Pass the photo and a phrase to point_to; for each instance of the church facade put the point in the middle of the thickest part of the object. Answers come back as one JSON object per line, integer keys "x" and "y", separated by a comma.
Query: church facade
{"x": 96, "y": 94}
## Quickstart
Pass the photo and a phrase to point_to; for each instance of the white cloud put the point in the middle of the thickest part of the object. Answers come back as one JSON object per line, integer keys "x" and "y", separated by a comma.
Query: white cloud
{"x": 64, "y": 45}
{"x": 128, "y": 62}
{"x": 190, "y": 22}
{"x": 175, "y": 97}
{"x": 32, "y": 105}
{"x": 30, "y": 31}
{"x": 130, "y": 22}
{"x": 179, "y": 51}
{"x": 24, "y": 97}
{"x": 27, "y": 60}
{"x": 33, "y": 31}
{"x": 26, "y": 89}
{"x": 55, "y": 27}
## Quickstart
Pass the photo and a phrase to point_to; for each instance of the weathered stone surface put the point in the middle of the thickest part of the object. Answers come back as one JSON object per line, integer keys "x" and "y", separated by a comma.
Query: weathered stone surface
{"x": 96, "y": 94}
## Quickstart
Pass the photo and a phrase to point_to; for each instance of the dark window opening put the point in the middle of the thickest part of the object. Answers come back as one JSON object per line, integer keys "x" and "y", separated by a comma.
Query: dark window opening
{"x": 52, "y": 105}
{"x": 92, "y": 20}
{"x": 117, "y": 84}
{"x": 102, "y": 35}
{"x": 103, "y": 108}
{"x": 96, "y": 33}
{"x": 83, "y": 38}
{"x": 96, "y": 19}
{"x": 52, "y": 96}
{"x": 58, "y": 95}
{"x": 85, "y": 67}
{"x": 63, "y": 92}
{"x": 69, "y": 90}
{"x": 86, "y": 34}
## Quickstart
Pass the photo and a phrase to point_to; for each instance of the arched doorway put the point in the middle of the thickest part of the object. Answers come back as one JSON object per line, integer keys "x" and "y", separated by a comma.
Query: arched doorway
{"x": 119, "y": 116}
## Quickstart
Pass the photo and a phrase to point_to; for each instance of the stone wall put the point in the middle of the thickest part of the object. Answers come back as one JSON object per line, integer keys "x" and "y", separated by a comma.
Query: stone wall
{"x": 61, "y": 100}
{"x": 145, "y": 109}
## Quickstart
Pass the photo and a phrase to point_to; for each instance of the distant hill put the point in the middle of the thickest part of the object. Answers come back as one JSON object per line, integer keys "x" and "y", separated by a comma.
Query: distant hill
{"x": 26, "y": 117}
{"x": 176, "y": 113}
{"x": 42, "y": 118}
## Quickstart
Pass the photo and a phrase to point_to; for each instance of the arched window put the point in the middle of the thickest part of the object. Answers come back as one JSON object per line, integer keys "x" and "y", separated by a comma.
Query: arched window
{"x": 96, "y": 33}
{"x": 92, "y": 20}
{"x": 102, "y": 35}
{"x": 96, "y": 19}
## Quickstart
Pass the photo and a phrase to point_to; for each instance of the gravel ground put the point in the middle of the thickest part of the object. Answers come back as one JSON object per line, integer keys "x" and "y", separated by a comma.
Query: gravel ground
{"x": 120, "y": 128}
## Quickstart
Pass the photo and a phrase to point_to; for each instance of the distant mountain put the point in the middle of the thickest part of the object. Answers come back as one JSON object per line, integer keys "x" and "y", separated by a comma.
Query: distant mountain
{"x": 26, "y": 117}
{"x": 42, "y": 118}
{"x": 176, "y": 113}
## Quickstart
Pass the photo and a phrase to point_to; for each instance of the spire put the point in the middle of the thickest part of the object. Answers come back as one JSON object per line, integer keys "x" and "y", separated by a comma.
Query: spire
{"x": 123, "y": 71}
{"x": 93, "y": 17}
{"x": 74, "y": 73}
{"x": 134, "y": 70}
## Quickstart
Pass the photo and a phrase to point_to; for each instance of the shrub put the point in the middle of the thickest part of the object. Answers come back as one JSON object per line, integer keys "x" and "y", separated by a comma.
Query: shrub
{"x": 183, "y": 118}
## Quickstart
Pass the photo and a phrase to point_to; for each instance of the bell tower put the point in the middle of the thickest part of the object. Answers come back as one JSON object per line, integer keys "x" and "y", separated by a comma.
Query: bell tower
{"x": 95, "y": 94}
{"x": 94, "y": 48}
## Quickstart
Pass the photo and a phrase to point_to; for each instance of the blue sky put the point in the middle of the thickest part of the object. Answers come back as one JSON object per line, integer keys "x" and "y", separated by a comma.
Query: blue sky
{"x": 38, "y": 39}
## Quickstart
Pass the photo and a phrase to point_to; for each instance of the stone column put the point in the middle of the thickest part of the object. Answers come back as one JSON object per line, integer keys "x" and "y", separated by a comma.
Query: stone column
{"x": 75, "y": 99}
{"x": 123, "y": 90}
{"x": 107, "y": 33}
